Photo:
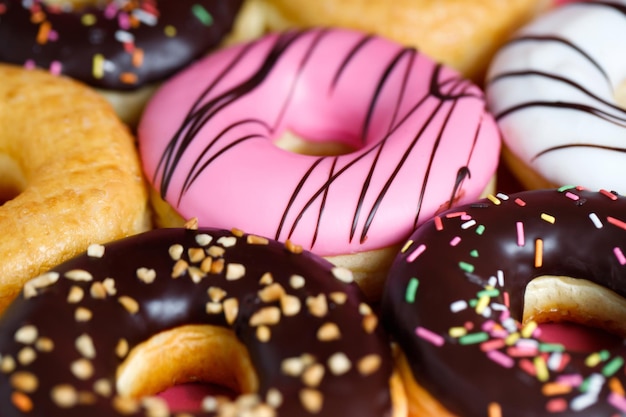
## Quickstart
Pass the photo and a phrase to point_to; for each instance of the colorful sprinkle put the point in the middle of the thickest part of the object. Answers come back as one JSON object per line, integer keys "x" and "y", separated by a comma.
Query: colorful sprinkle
{"x": 468, "y": 224}
{"x": 572, "y": 196}
{"x": 595, "y": 220}
{"x": 97, "y": 65}
{"x": 520, "y": 202}
{"x": 406, "y": 246}
{"x": 521, "y": 241}
{"x": 480, "y": 229}
{"x": 616, "y": 222}
{"x": 411, "y": 290}
{"x": 429, "y": 336}
{"x": 565, "y": 188}
{"x": 538, "y": 253}
{"x": 494, "y": 199}
{"x": 202, "y": 14}
{"x": 474, "y": 338}
{"x": 608, "y": 194}
{"x": 455, "y": 241}
{"x": 170, "y": 31}
{"x": 467, "y": 267}
{"x": 417, "y": 252}
{"x": 457, "y": 306}
{"x": 619, "y": 255}
{"x": 548, "y": 218}
{"x": 613, "y": 366}
{"x": 438, "y": 223}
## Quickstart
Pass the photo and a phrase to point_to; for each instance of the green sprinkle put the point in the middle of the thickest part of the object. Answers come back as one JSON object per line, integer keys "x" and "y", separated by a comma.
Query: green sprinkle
{"x": 480, "y": 229}
{"x": 474, "y": 338}
{"x": 473, "y": 302}
{"x": 565, "y": 188}
{"x": 613, "y": 366}
{"x": 474, "y": 253}
{"x": 202, "y": 14}
{"x": 467, "y": 267}
{"x": 551, "y": 347}
{"x": 493, "y": 292}
{"x": 411, "y": 290}
{"x": 605, "y": 354}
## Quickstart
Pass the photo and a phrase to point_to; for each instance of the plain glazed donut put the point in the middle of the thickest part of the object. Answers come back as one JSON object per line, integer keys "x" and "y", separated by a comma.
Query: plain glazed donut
{"x": 418, "y": 135}
{"x": 557, "y": 90}
{"x": 466, "y": 294}
{"x": 459, "y": 33}
{"x": 122, "y": 48}
{"x": 286, "y": 329}
{"x": 69, "y": 175}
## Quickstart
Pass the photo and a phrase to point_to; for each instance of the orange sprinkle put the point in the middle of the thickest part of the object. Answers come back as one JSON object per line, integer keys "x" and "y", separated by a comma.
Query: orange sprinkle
{"x": 494, "y": 410}
{"x": 552, "y": 389}
{"x": 617, "y": 387}
{"x": 538, "y": 253}
{"x": 22, "y": 402}
{"x": 44, "y": 31}
{"x": 37, "y": 17}
{"x": 128, "y": 78}
{"x": 438, "y": 223}
{"x": 137, "y": 57}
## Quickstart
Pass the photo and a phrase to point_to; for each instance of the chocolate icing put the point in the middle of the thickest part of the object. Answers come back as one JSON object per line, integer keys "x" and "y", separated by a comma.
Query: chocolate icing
{"x": 441, "y": 289}
{"x": 193, "y": 28}
{"x": 49, "y": 311}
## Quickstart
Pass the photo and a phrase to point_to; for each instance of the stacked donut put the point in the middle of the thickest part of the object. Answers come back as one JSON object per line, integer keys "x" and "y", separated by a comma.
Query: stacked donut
{"x": 355, "y": 140}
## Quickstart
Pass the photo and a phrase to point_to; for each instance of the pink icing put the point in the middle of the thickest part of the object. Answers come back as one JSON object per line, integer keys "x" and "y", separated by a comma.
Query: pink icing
{"x": 421, "y": 134}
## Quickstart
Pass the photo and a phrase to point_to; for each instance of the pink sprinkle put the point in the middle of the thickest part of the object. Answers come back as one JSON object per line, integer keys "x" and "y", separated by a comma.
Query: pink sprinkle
{"x": 29, "y": 64}
{"x": 500, "y": 358}
{"x": 619, "y": 255}
{"x": 617, "y": 401}
{"x": 493, "y": 344}
{"x": 518, "y": 352}
{"x": 110, "y": 11}
{"x": 465, "y": 217}
{"x": 53, "y": 35}
{"x": 438, "y": 223}
{"x": 429, "y": 336}
{"x": 417, "y": 252}
{"x": 55, "y": 67}
{"x": 572, "y": 196}
{"x": 488, "y": 325}
{"x": 455, "y": 241}
{"x": 520, "y": 233}
{"x": 520, "y": 202}
{"x": 556, "y": 405}
{"x": 573, "y": 380}
{"x": 123, "y": 21}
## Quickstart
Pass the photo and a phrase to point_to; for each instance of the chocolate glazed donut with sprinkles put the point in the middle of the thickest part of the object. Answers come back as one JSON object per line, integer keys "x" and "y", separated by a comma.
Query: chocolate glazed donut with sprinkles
{"x": 468, "y": 291}
{"x": 89, "y": 336}
{"x": 116, "y": 45}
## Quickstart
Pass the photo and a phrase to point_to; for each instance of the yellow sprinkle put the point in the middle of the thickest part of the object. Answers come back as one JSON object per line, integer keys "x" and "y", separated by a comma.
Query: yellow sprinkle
{"x": 457, "y": 332}
{"x": 593, "y": 359}
{"x": 406, "y": 246}
{"x": 541, "y": 368}
{"x": 494, "y": 199}
{"x": 170, "y": 31}
{"x": 482, "y": 304}
{"x": 98, "y": 66}
{"x": 538, "y": 253}
{"x": 548, "y": 218}
{"x": 529, "y": 328}
{"x": 512, "y": 339}
{"x": 88, "y": 19}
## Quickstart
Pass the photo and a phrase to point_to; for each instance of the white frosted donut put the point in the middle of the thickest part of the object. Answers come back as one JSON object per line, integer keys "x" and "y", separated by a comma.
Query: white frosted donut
{"x": 554, "y": 89}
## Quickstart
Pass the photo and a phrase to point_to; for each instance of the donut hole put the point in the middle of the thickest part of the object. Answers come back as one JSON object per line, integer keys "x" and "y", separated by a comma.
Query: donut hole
{"x": 620, "y": 94}
{"x": 587, "y": 314}
{"x": 291, "y": 142}
{"x": 12, "y": 179}
{"x": 206, "y": 354}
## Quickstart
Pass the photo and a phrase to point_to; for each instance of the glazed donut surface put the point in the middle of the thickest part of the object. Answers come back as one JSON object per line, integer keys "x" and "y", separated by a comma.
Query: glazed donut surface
{"x": 419, "y": 134}
{"x": 69, "y": 175}
{"x": 557, "y": 91}
{"x": 457, "y": 302}
{"x": 315, "y": 347}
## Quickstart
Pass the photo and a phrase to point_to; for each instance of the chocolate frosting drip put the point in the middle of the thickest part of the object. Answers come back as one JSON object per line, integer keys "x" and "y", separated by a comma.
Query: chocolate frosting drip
{"x": 471, "y": 264}
{"x": 168, "y": 302}
{"x": 137, "y": 42}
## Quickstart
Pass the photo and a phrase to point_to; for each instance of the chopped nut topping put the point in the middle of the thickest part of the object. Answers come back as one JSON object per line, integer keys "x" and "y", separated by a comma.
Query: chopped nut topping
{"x": 155, "y": 407}
{"x": 26, "y": 334}
{"x": 7, "y": 364}
{"x": 216, "y": 251}
{"x": 274, "y": 398}
{"x": 44, "y": 344}
{"x": 370, "y": 322}
{"x": 176, "y": 251}
{"x": 266, "y": 279}
{"x": 312, "y": 376}
{"x": 206, "y": 264}
{"x": 103, "y": 387}
{"x": 217, "y": 266}
{"x": 265, "y": 316}
{"x": 328, "y": 332}
{"x": 338, "y": 297}
{"x": 292, "y": 247}
{"x": 95, "y": 250}
{"x": 41, "y": 281}
{"x": 296, "y": 281}
{"x": 84, "y": 345}
{"x": 75, "y": 295}
{"x": 290, "y": 305}
{"x": 26, "y": 356}
{"x": 237, "y": 232}
{"x": 256, "y": 240}
{"x": 196, "y": 274}
{"x": 227, "y": 241}
{"x": 235, "y": 271}
{"x": 369, "y": 364}
{"x": 109, "y": 285}
{"x": 82, "y": 369}
{"x": 65, "y": 396}
{"x": 78, "y": 275}
{"x": 263, "y": 334}
{"x": 365, "y": 309}
{"x": 318, "y": 306}
{"x": 203, "y": 239}
{"x": 214, "y": 307}
{"x": 339, "y": 363}
{"x": 312, "y": 400}
{"x": 272, "y": 292}
{"x": 196, "y": 254}
{"x": 122, "y": 348}
{"x": 191, "y": 224}
{"x": 82, "y": 314}
{"x": 231, "y": 310}
{"x": 343, "y": 274}
{"x": 216, "y": 294}
{"x": 22, "y": 401}
{"x": 146, "y": 275}
{"x": 97, "y": 291}
{"x": 130, "y": 304}
{"x": 179, "y": 269}
{"x": 125, "y": 405}
{"x": 24, "y": 381}
{"x": 293, "y": 366}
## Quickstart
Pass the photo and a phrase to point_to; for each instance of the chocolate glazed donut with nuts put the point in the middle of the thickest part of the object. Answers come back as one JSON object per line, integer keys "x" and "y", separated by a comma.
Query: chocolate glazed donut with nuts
{"x": 281, "y": 327}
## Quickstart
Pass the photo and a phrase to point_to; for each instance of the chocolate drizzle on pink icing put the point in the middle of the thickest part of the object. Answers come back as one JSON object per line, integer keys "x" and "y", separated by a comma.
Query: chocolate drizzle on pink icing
{"x": 396, "y": 105}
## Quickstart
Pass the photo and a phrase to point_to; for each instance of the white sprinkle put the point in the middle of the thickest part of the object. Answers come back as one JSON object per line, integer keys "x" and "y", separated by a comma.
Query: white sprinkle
{"x": 492, "y": 281}
{"x": 554, "y": 361}
{"x": 500, "y": 275}
{"x": 124, "y": 36}
{"x": 457, "y": 306}
{"x": 584, "y": 401}
{"x": 145, "y": 17}
{"x": 468, "y": 224}
{"x": 596, "y": 220}
{"x": 502, "y": 196}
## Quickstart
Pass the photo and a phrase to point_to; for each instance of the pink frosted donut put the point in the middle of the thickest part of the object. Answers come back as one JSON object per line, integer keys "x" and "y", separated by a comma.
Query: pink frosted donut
{"x": 420, "y": 139}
